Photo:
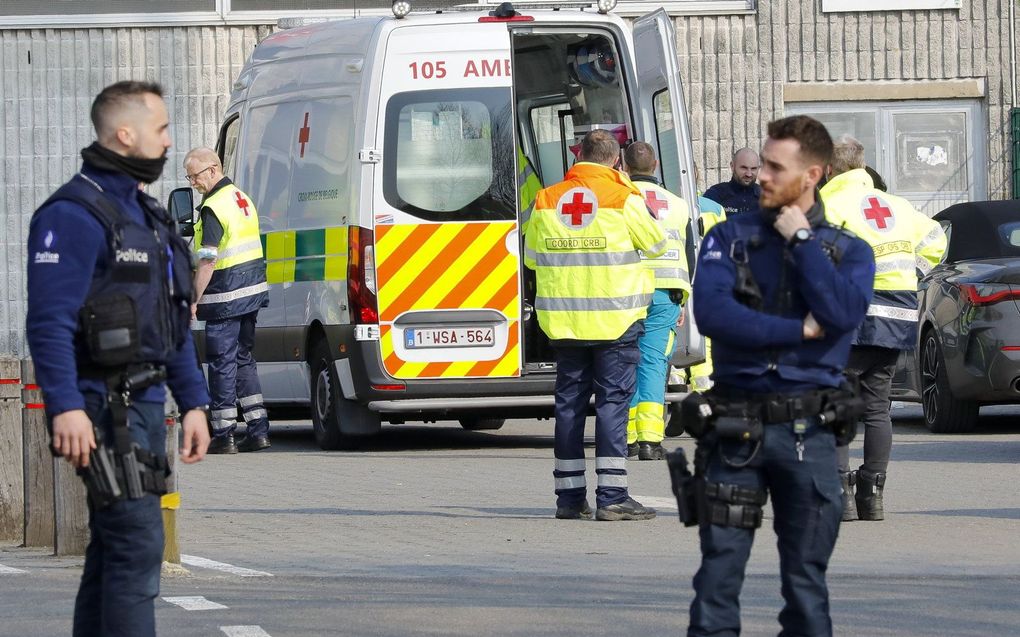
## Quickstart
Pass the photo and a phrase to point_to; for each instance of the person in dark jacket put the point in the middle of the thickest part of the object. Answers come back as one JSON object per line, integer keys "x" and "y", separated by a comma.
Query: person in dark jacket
{"x": 741, "y": 192}
{"x": 104, "y": 262}
{"x": 780, "y": 293}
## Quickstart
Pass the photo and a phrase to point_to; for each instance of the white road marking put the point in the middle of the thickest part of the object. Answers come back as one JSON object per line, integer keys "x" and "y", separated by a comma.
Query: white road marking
{"x": 196, "y": 602}
{"x": 656, "y": 503}
{"x": 202, "y": 562}
{"x": 10, "y": 570}
{"x": 244, "y": 631}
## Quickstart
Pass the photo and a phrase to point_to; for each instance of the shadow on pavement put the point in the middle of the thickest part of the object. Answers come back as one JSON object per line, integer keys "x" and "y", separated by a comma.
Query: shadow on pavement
{"x": 962, "y": 450}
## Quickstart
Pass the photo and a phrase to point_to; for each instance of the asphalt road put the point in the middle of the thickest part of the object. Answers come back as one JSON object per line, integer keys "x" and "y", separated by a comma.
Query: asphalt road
{"x": 432, "y": 530}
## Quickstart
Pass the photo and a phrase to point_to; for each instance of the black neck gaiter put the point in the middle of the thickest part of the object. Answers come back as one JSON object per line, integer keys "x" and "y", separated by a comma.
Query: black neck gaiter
{"x": 144, "y": 170}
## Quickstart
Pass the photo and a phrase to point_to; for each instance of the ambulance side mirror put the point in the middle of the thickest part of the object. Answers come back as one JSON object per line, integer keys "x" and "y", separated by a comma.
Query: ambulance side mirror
{"x": 182, "y": 209}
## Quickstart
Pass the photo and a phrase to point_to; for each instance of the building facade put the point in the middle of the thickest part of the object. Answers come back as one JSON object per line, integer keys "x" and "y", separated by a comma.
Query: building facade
{"x": 928, "y": 85}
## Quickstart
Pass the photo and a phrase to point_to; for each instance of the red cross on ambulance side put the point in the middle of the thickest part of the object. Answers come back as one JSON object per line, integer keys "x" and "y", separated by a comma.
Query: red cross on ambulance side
{"x": 577, "y": 208}
{"x": 878, "y": 214}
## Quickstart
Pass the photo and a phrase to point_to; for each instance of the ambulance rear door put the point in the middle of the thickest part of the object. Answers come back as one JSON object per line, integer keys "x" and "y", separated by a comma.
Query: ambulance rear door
{"x": 662, "y": 111}
{"x": 445, "y": 214}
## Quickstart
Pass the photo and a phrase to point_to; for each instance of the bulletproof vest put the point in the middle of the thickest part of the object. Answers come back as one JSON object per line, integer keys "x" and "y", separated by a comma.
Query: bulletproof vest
{"x": 138, "y": 307}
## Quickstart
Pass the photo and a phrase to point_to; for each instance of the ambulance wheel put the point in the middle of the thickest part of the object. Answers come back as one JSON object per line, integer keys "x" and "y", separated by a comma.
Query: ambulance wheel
{"x": 333, "y": 416}
{"x": 482, "y": 424}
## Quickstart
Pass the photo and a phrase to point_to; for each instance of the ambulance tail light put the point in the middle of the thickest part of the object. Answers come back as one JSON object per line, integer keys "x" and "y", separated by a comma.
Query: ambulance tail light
{"x": 361, "y": 287}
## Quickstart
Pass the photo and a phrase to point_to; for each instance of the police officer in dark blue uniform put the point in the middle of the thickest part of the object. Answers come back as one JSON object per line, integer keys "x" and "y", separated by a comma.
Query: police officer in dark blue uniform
{"x": 109, "y": 293}
{"x": 739, "y": 194}
{"x": 780, "y": 293}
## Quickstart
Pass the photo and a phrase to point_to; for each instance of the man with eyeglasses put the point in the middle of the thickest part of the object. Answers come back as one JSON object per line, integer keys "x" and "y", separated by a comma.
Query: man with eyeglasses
{"x": 230, "y": 287}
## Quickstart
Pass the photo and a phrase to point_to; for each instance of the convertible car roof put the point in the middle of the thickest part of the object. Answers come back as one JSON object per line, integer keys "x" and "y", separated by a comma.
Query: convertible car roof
{"x": 975, "y": 230}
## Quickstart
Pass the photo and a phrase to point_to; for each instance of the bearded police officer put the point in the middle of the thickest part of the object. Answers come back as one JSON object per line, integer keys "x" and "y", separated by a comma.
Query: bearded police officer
{"x": 646, "y": 425}
{"x": 231, "y": 288}
{"x": 780, "y": 293}
{"x": 109, "y": 294}
{"x": 905, "y": 242}
{"x": 739, "y": 194}
{"x": 592, "y": 295}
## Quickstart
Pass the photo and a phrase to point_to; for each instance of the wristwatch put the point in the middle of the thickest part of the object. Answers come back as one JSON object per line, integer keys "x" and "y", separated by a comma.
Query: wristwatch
{"x": 800, "y": 236}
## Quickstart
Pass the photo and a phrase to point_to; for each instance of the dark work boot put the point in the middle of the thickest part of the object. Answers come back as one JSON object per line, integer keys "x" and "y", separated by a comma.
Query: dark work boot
{"x": 580, "y": 511}
{"x": 848, "y": 480}
{"x": 869, "y": 495}
{"x": 254, "y": 442}
{"x": 629, "y": 509}
{"x": 651, "y": 451}
{"x": 222, "y": 444}
{"x": 632, "y": 450}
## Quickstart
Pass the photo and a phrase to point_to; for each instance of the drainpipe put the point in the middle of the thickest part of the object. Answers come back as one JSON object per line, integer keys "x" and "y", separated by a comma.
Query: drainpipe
{"x": 1012, "y": 50}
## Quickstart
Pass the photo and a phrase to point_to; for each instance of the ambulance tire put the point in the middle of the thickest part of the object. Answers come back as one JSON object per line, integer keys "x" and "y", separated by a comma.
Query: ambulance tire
{"x": 482, "y": 424}
{"x": 333, "y": 416}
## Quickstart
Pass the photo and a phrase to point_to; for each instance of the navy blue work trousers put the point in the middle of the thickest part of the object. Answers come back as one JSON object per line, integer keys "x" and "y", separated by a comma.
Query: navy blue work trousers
{"x": 233, "y": 376}
{"x": 609, "y": 370}
{"x": 806, "y": 505}
{"x": 122, "y": 562}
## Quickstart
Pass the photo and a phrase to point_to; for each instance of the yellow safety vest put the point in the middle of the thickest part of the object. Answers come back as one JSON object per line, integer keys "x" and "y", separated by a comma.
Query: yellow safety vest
{"x": 528, "y": 185}
{"x": 238, "y": 284}
{"x": 583, "y": 243}
{"x": 905, "y": 241}
{"x": 670, "y": 269}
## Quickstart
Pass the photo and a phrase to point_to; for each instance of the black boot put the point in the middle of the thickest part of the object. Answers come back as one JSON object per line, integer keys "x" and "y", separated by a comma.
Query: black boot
{"x": 869, "y": 495}
{"x": 849, "y": 479}
{"x": 223, "y": 444}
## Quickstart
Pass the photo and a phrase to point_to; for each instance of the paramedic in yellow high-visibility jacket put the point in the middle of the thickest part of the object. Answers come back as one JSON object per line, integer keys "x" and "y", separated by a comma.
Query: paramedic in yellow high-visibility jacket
{"x": 646, "y": 425}
{"x": 905, "y": 242}
{"x": 584, "y": 242}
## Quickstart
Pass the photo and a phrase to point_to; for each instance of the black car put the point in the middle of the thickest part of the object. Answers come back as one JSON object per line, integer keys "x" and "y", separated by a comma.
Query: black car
{"x": 968, "y": 351}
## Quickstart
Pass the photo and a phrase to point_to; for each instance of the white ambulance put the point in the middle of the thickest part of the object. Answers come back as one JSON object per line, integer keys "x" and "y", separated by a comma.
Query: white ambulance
{"x": 383, "y": 155}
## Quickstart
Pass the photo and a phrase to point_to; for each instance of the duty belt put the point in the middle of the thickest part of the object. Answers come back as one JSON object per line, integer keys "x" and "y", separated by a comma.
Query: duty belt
{"x": 771, "y": 408}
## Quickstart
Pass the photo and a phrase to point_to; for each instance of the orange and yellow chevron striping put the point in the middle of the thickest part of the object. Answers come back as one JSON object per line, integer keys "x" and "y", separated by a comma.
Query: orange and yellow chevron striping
{"x": 447, "y": 266}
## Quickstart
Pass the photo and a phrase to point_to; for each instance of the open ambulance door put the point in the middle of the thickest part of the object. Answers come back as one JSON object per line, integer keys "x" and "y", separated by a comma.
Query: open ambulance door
{"x": 660, "y": 106}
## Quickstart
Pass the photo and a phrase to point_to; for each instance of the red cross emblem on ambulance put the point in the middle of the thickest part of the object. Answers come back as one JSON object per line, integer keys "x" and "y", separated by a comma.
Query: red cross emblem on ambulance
{"x": 878, "y": 214}
{"x": 577, "y": 207}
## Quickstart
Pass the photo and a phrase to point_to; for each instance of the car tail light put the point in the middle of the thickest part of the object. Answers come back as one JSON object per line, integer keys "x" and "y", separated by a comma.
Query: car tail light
{"x": 361, "y": 287}
{"x": 988, "y": 294}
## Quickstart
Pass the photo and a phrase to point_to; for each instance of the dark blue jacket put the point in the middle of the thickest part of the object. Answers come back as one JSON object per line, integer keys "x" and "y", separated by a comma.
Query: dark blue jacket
{"x": 734, "y": 196}
{"x": 67, "y": 253}
{"x": 764, "y": 351}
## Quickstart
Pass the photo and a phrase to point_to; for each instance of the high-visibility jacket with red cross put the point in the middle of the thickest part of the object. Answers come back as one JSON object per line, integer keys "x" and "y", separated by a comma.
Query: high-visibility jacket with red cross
{"x": 584, "y": 243}
{"x": 905, "y": 241}
{"x": 670, "y": 269}
{"x": 238, "y": 284}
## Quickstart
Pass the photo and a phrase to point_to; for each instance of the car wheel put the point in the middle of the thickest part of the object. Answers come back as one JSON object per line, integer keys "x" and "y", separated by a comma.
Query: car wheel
{"x": 329, "y": 407}
{"x": 482, "y": 424}
{"x": 942, "y": 412}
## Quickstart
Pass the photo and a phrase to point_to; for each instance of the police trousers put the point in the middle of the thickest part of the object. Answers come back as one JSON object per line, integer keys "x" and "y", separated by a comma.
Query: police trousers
{"x": 233, "y": 377}
{"x": 123, "y": 559}
{"x": 806, "y": 505}
{"x": 647, "y": 408}
{"x": 607, "y": 369}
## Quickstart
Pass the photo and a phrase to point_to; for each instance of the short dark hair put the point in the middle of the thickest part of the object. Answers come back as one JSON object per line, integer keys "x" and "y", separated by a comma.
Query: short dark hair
{"x": 117, "y": 95}
{"x": 815, "y": 141}
{"x": 599, "y": 146}
{"x": 640, "y": 158}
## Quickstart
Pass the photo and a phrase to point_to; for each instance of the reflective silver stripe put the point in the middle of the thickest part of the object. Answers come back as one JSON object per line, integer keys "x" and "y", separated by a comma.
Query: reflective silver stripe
{"x": 570, "y": 304}
{"x": 239, "y": 248}
{"x": 897, "y": 265}
{"x": 226, "y": 297}
{"x": 702, "y": 382}
{"x": 895, "y": 313}
{"x": 564, "y": 259}
{"x": 935, "y": 234}
{"x": 229, "y": 412}
{"x": 576, "y": 464}
{"x": 673, "y": 233}
{"x": 255, "y": 414}
{"x": 248, "y": 401}
{"x": 570, "y": 482}
{"x": 217, "y": 425}
{"x": 610, "y": 462}
{"x": 924, "y": 265}
{"x": 658, "y": 246}
{"x": 530, "y": 254}
{"x": 672, "y": 273}
{"x": 609, "y": 480}
{"x": 526, "y": 214}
